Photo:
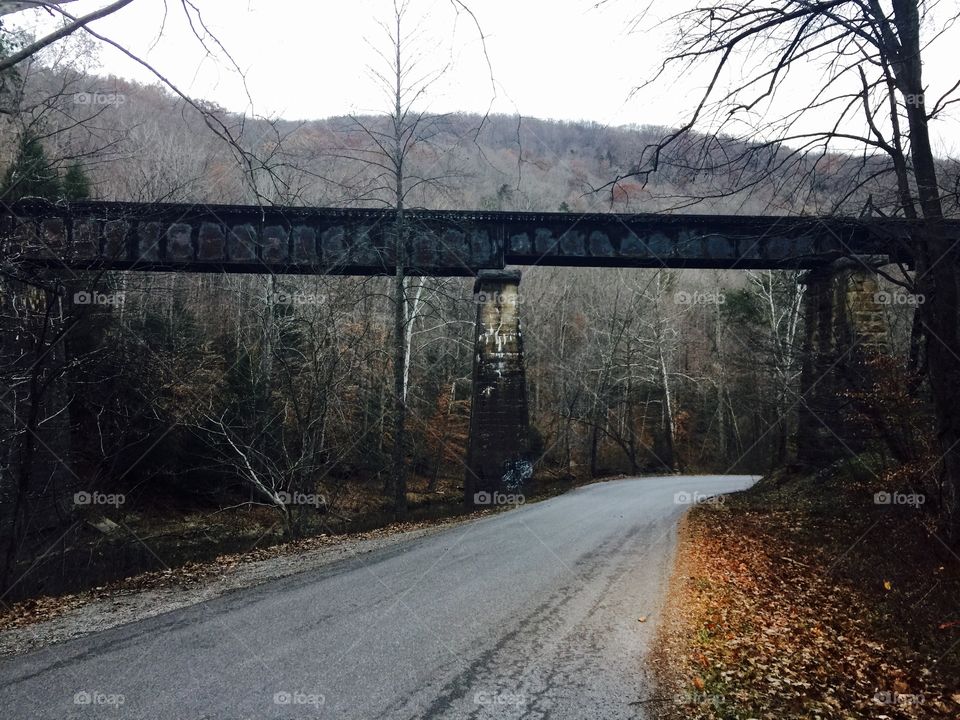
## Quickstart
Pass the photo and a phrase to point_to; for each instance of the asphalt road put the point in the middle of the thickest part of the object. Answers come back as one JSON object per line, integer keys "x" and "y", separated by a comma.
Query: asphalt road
{"x": 531, "y": 613}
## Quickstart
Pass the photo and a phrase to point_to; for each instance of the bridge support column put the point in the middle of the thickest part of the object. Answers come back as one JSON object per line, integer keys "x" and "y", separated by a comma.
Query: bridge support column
{"x": 498, "y": 456}
{"x": 845, "y": 325}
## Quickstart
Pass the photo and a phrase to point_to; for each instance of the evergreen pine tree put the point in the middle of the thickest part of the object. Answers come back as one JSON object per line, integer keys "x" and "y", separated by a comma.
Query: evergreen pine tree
{"x": 76, "y": 184}
{"x": 31, "y": 174}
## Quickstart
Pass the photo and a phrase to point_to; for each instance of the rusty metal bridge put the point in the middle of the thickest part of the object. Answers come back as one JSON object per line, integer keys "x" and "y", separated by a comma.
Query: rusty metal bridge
{"x": 342, "y": 241}
{"x": 87, "y": 236}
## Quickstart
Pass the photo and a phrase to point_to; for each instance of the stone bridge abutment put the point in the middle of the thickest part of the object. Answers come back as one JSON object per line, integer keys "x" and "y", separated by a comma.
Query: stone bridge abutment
{"x": 845, "y": 326}
{"x": 498, "y": 455}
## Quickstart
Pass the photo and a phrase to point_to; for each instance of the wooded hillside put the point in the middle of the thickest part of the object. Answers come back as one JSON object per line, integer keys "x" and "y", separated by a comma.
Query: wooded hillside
{"x": 197, "y": 393}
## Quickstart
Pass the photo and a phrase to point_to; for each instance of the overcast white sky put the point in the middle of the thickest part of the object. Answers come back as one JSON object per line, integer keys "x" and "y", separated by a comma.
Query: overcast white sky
{"x": 561, "y": 59}
{"x": 308, "y": 59}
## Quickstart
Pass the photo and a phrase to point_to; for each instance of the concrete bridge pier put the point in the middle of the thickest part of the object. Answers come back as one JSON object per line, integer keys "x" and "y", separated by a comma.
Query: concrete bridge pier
{"x": 498, "y": 455}
{"x": 845, "y": 326}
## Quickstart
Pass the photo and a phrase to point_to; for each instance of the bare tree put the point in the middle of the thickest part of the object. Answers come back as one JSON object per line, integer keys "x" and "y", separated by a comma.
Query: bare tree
{"x": 872, "y": 94}
{"x": 400, "y": 169}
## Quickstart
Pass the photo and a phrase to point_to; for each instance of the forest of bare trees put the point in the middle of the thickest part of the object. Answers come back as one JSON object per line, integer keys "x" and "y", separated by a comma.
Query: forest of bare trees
{"x": 225, "y": 396}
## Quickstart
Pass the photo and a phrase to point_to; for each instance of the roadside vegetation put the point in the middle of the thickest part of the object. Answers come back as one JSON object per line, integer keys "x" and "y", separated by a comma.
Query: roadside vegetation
{"x": 804, "y": 598}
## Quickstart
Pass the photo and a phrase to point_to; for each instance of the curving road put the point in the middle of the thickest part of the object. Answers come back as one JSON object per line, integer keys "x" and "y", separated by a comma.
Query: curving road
{"x": 531, "y": 613}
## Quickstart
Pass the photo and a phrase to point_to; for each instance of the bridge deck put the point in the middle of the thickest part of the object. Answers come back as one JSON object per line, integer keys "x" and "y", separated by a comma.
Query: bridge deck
{"x": 249, "y": 239}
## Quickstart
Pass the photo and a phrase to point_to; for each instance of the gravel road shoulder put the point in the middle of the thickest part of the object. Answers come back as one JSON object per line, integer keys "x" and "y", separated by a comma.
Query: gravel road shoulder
{"x": 39, "y": 622}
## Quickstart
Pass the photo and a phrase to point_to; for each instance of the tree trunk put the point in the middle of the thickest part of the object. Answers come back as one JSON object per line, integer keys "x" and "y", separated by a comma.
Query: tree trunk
{"x": 937, "y": 268}
{"x": 399, "y": 470}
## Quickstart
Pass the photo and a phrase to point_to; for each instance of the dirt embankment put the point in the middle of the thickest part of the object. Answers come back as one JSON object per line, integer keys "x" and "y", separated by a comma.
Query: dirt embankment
{"x": 803, "y": 598}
